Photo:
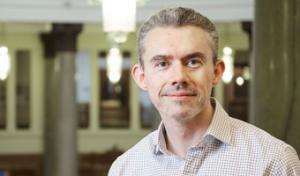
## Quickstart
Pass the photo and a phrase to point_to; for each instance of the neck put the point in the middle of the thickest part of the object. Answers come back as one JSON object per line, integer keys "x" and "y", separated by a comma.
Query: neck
{"x": 180, "y": 136}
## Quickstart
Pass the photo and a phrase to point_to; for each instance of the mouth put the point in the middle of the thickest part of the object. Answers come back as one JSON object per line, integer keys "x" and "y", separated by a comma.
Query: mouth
{"x": 180, "y": 96}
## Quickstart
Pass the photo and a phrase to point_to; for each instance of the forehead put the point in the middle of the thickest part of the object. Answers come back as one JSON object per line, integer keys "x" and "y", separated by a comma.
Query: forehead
{"x": 177, "y": 41}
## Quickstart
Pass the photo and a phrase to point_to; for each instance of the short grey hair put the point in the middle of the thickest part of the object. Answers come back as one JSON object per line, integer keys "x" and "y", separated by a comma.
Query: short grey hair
{"x": 177, "y": 17}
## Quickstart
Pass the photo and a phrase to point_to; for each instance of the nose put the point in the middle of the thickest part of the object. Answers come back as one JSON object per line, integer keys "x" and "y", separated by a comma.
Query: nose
{"x": 179, "y": 75}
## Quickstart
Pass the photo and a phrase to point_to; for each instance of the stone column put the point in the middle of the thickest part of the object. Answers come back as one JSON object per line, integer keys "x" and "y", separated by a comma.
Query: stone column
{"x": 275, "y": 91}
{"x": 60, "y": 144}
{"x": 292, "y": 134}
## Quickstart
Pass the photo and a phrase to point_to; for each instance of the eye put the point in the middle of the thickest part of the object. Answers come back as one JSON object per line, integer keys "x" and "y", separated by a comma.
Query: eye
{"x": 162, "y": 65}
{"x": 194, "y": 62}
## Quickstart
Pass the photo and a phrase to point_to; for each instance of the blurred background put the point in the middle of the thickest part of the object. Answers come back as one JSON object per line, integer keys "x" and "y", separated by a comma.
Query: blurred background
{"x": 68, "y": 105}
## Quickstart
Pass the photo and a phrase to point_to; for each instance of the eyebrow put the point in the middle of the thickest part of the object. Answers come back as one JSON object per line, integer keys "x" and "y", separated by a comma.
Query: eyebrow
{"x": 160, "y": 57}
{"x": 200, "y": 55}
{"x": 188, "y": 56}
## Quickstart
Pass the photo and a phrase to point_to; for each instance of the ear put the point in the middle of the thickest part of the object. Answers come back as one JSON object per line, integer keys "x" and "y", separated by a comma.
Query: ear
{"x": 219, "y": 68}
{"x": 138, "y": 75}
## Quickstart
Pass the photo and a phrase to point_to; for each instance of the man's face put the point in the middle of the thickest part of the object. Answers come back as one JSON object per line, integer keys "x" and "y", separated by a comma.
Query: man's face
{"x": 178, "y": 71}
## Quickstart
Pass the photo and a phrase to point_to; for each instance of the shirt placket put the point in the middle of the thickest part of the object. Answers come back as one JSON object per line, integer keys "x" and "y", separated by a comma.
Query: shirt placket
{"x": 193, "y": 161}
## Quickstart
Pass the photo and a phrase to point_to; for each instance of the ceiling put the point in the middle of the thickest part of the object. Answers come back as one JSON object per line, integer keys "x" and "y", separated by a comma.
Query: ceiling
{"x": 81, "y": 11}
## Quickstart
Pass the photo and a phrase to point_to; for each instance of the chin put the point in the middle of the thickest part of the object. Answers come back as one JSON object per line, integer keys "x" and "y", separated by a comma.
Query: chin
{"x": 182, "y": 116}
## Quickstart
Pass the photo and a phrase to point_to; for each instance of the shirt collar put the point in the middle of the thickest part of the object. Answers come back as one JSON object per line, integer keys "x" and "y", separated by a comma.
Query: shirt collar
{"x": 219, "y": 128}
{"x": 160, "y": 141}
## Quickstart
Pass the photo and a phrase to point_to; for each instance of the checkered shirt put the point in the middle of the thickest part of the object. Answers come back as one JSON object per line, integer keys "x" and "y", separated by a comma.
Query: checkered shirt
{"x": 230, "y": 147}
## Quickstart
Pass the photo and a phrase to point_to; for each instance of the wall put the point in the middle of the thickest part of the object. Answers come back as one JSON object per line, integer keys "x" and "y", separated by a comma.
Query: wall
{"x": 91, "y": 140}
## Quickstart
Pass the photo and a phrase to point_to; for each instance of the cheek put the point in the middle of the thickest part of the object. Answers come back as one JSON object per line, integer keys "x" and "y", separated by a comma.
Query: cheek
{"x": 153, "y": 90}
{"x": 153, "y": 85}
{"x": 203, "y": 76}
{"x": 204, "y": 82}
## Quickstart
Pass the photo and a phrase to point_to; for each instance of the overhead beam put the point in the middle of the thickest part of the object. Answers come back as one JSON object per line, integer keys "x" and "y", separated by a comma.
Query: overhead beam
{"x": 78, "y": 11}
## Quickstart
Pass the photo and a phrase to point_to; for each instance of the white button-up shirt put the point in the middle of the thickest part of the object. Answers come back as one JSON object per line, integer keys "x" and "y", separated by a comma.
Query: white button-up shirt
{"x": 229, "y": 147}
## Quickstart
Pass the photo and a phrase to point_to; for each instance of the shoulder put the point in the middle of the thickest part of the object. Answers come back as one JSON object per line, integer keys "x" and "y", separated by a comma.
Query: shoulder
{"x": 253, "y": 136}
{"x": 135, "y": 157}
{"x": 287, "y": 163}
{"x": 279, "y": 157}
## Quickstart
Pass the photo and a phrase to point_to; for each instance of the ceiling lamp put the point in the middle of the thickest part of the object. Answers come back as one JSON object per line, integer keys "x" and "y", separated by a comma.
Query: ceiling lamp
{"x": 4, "y": 62}
{"x": 228, "y": 61}
{"x": 118, "y": 18}
{"x": 114, "y": 65}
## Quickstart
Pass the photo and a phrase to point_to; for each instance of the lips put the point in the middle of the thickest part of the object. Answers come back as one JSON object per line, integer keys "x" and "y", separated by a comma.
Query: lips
{"x": 180, "y": 94}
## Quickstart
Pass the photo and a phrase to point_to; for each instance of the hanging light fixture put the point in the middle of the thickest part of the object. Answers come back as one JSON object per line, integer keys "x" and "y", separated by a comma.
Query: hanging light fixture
{"x": 4, "y": 57}
{"x": 114, "y": 65}
{"x": 240, "y": 81}
{"x": 4, "y": 62}
{"x": 228, "y": 61}
{"x": 118, "y": 18}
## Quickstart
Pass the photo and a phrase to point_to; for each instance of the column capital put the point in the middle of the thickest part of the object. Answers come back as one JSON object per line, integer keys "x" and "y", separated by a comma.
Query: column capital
{"x": 63, "y": 37}
{"x": 247, "y": 28}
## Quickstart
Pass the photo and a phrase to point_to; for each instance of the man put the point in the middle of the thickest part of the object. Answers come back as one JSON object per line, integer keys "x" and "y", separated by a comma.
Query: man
{"x": 178, "y": 67}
